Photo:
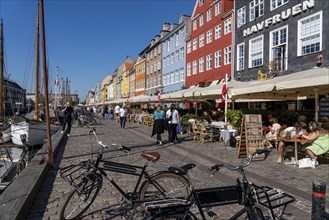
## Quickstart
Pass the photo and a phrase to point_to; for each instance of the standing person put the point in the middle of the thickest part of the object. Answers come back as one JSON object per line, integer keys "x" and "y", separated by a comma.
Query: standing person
{"x": 117, "y": 111}
{"x": 68, "y": 111}
{"x": 123, "y": 113}
{"x": 111, "y": 114}
{"x": 158, "y": 126}
{"x": 173, "y": 119}
{"x": 103, "y": 112}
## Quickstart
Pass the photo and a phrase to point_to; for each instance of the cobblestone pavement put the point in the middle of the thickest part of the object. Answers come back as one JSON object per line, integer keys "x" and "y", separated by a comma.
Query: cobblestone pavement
{"x": 297, "y": 182}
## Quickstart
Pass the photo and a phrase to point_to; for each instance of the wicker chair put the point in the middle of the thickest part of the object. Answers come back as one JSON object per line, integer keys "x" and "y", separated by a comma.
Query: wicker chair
{"x": 195, "y": 131}
{"x": 204, "y": 134}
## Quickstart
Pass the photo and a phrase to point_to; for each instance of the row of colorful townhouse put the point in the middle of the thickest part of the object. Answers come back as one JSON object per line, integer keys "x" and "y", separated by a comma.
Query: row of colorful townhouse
{"x": 238, "y": 38}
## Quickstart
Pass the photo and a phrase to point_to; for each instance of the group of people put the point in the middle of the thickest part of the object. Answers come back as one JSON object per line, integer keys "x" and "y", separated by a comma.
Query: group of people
{"x": 169, "y": 120}
{"x": 315, "y": 136}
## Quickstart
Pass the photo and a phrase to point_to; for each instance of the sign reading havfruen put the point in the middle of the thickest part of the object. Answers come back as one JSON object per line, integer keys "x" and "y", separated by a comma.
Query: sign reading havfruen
{"x": 295, "y": 10}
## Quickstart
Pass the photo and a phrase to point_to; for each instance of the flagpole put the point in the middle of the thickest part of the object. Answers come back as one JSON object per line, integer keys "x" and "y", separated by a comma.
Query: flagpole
{"x": 225, "y": 111}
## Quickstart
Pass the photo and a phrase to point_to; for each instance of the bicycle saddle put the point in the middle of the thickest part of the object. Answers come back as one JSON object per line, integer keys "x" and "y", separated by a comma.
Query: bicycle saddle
{"x": 183, "y": 170}
{"x": 151, "y": 156}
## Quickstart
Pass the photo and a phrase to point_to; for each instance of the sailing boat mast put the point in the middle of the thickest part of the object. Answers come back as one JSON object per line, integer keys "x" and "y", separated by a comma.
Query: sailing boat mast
{"x": 45, "y": 81}
{"x": 1, "y": 70}
{"x": 37, "y": 63}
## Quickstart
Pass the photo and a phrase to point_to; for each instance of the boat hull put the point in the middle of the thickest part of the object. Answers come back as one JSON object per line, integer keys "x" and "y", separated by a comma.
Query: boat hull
{"x": 6, "y": 136}
{"x": 35, "y": 133}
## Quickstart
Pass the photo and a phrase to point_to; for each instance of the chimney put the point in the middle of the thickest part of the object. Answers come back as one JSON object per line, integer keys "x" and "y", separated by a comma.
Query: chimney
{"x": 183, "y": 18}
{"x": 157, "y": 38}
{"x": 165, "y": 26}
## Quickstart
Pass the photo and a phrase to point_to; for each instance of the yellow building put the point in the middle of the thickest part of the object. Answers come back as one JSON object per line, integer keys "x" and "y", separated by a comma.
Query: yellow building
{"x": 113, "y": 96}
{"x": 125, "y": 80}
{"x": 104, "y": 88}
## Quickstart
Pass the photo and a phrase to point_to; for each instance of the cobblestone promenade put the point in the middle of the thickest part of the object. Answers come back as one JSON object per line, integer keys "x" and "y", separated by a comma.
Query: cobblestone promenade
{"x": 297, "y": 182}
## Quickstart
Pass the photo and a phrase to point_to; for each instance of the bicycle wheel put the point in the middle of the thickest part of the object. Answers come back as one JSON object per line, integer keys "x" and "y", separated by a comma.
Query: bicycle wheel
{"x": 165, "y": 186}
{"x": 77, "y": 203}
{"x": 76, "y": 123}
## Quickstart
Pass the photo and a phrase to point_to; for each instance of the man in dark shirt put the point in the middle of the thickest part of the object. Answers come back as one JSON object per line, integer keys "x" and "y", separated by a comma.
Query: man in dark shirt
{"x": 68, "y": 111}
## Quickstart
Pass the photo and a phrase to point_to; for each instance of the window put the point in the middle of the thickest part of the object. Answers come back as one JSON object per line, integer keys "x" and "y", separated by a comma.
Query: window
{"x": 195, "y": 44}
{"x": 310, "y": 34}
{"x": 155, "y": 68}
{"x": 195, "y": 67}
{"x": 168, "y": 79}
{"x": 147, "y": 83}
{"x": 195, "y": 24}
{"x": 189, "y": 47}
{"x": 176, "y": 55}
{"x": 218, "y": 58}
{"x": 172, "y": 78}
{"x": 154, "y": 81}
{"x": 164, "y": 61}
{"x": 151, "y": 55}
{"x": 209, "y": 14}
{"x": 151, "y": 69}
{"x": 278, "y": 49}
{"x": 181, "y": 55}
{"x": 147, "y": 70}
{"x": 188, "y": 69}
{"x": 209, "y": 36}
{"x": 168, "y": 45}
{"x": 209, "y": 62}
{"x": 172, "y": 58}
{"x": 201, "y": 2}
{"x": 159, "y": 49}
{"x": 256, "y": 9}
{"x": 176, "y": 40}
{"x": 218, "y": 31}
{"x": 159, "y": 65}
{"x": 227, "y": 55}
{"x": 256, "y": 52}
{"x": 201, "y": 64}
{"x": 181, "y": 73}
{"x": 217, "y": 8}
{"x": 277, "y": 3}
{"x": 164, "y": 46}
{"x": 155, "y": 51}
{"x": 168, "y": 60}
{"x": 201, "y": 40}
{"x": 176, "y": 76}
{"x": 201, "y": 20}
{"x": 228, "y": 26}
{"x": 147, "y": 57}
{"x": 240, "y": 56}
{"x": 151, "y": 83}
{"x": 241, "y": 16}
{"x": 164, "y": 80}
{"x": 159, "y": 80}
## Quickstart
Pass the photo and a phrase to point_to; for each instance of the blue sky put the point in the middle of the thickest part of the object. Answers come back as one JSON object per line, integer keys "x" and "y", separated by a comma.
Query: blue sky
{"x": 86, "y": 39}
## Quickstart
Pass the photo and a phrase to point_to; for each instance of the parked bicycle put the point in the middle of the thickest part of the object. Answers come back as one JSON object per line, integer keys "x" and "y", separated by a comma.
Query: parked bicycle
{"x": 86, "y": 178}
{"x": 85, "y": 120}
{"x": 254, "y": 199}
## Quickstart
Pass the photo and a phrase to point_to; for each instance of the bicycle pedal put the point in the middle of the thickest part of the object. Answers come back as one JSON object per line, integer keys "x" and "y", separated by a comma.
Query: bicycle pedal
{"x": 211, "y": 214}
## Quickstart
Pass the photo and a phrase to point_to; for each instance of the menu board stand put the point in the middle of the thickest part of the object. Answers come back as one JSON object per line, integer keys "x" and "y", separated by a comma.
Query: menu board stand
{"x": 251, "y": 136}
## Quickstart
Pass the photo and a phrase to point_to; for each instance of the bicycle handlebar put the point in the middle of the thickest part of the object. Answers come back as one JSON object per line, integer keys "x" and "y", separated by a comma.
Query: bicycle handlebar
{"x": 217, "y": 167}
{"x": 120, "y": 147}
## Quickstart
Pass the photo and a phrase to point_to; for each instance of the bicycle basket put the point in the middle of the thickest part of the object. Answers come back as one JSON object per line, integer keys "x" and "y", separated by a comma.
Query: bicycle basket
{"x": 81, "y": 177}
{"x": 272, "y": 198}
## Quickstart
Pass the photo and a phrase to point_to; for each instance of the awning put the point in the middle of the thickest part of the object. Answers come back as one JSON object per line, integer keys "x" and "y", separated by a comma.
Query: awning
{"x": 288, "y": 87}
{"x": 140, "y": 98}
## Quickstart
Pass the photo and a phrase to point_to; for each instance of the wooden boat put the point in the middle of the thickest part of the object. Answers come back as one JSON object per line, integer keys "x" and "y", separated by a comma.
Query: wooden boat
{"x": 5, "y": 135}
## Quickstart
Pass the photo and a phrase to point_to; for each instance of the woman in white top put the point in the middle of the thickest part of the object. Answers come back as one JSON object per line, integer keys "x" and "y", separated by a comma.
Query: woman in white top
{"x": 173, "y": 120}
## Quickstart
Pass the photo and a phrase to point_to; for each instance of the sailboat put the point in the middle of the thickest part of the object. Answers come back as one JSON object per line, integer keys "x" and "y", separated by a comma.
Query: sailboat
{"x": 5, "y": 134}
{"x": 26, "y": 131}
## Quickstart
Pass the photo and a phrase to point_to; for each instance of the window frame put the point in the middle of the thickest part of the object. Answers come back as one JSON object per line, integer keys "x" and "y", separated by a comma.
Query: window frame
{"x": 201, "y": 70}
{"x": 276, "y": 5}
{"x": 218, "y": 8}
{"x": 238, "y": 15}
{"x": 228, "y": 26}
{"x": 260, "y": 2}
{"x": 209, "y": 36}
{"x": 209, "y": 62}
{"x": 250, "y": 52}
{"x": 195, "y": 67}
{"x": 218, "y": 31}
{"x": 238, "y": 68}
{"x": 209, "y": 14}
{"x": 201, "y": 23}
{"x": 218, "y": 59}
{"x": 280, "y": 44}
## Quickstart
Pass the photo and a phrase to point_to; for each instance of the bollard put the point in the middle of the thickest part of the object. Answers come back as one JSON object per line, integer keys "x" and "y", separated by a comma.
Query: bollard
{"x": 318, "y": 199}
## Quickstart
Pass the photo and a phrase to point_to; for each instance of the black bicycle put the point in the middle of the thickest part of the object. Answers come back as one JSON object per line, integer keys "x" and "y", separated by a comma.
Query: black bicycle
{"x": 255, "y": 199}
{"x": 86, "y": 178}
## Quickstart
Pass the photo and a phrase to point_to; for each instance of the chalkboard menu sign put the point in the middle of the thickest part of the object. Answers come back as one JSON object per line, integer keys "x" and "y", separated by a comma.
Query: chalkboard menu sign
{"x": 251, "y": 135}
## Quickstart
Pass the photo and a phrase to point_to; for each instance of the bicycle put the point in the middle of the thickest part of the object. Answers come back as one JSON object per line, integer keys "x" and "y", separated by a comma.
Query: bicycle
{"x": 86, "y": 178}
{"x": 254, "y": 198}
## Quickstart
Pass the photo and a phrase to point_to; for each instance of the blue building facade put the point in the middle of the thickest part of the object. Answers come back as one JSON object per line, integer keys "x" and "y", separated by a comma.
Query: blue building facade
{"x": 173, "y": 56}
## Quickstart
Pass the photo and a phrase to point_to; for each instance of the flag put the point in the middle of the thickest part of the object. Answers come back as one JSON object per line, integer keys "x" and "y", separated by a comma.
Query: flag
{"x": 128, "y": 100}
{"x": 224, "y": 91}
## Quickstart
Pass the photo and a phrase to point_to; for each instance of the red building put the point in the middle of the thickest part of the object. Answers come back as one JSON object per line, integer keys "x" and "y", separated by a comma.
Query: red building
{"x": 209, "y": 50}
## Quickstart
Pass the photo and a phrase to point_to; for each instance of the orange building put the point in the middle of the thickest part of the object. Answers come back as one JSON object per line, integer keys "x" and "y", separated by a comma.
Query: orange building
{"x": 140, "y": 73}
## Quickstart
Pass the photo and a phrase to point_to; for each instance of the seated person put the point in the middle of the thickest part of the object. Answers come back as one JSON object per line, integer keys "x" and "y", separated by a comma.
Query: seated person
{"x": 206, "y": 117}
{"x": 319, "y": 142}
{"x": 273, "y": 134}
{"x": 289, "y": 131}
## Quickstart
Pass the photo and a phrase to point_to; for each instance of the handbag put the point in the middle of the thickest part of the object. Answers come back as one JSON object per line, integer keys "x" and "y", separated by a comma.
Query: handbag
{"x": 305, "y": 163}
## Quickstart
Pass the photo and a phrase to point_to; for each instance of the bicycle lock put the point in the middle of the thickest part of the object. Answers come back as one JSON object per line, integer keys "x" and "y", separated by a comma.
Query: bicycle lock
{"x": 319, "y": 200}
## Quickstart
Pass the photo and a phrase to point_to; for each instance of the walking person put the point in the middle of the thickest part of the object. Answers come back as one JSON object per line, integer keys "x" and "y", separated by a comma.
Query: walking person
{"x": 117, "y": 111}
{"x": 123, "y": 112}
{"x": 173, "y": 119}
{"x": 68, "y": 112}
{"x": 158, "y": 126}
{"x": 111, "y": 114}
{"x": 103, "y": 112}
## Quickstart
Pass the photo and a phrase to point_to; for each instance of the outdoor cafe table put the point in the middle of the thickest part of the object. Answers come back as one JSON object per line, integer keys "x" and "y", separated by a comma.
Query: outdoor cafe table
{"x": 295, "y": 140}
